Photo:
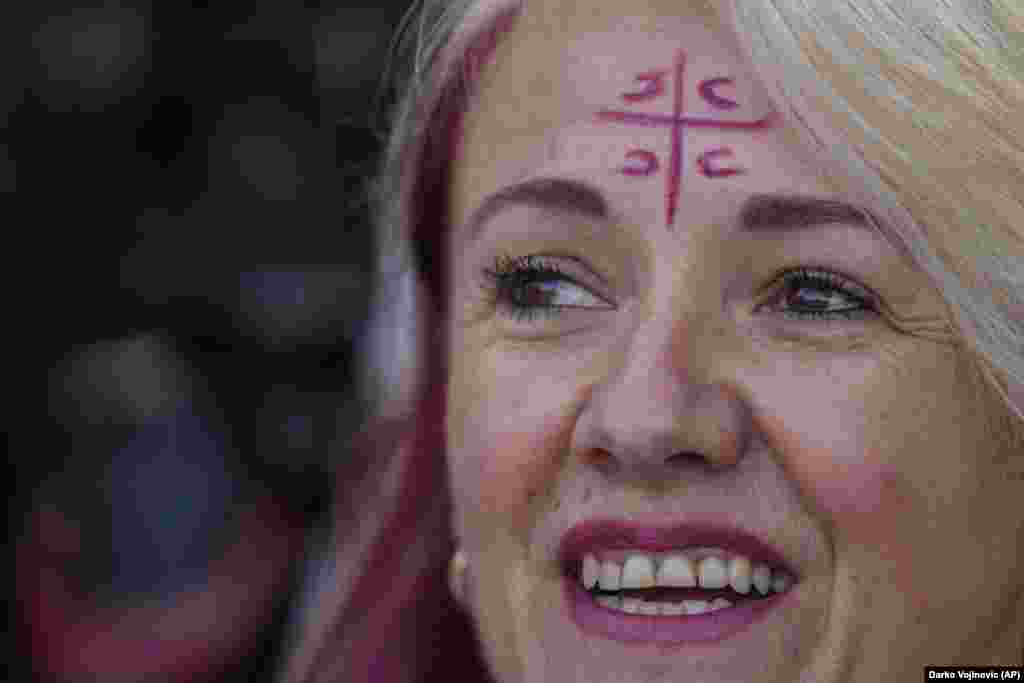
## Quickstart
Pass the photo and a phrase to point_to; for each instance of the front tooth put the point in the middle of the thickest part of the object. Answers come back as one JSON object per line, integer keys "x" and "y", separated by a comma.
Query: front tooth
{"x": 638, "y": 572}
{"x": 762, "y": 579}
{"x": 612, "y": 601}
{"x": 780, "y": 582}
{"x": 676, "y": 570}
{"x": 591, "y": 570}
{"x": 611, "y": 576}
{"x": 713, "y": 573}
{"x": 739, "y": 574}
{"x": 631, "y": 605}
{"x": 696, "y": 606}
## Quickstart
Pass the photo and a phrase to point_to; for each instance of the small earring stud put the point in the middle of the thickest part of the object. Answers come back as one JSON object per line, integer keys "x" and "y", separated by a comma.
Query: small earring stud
{"x": 457, "y": 576}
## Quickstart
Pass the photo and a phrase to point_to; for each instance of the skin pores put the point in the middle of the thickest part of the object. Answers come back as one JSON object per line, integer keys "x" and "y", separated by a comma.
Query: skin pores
{"x": 874, "y": 458}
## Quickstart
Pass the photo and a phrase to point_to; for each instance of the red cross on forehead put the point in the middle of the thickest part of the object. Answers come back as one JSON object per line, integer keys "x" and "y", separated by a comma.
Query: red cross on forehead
{"x": 644, "y": 162}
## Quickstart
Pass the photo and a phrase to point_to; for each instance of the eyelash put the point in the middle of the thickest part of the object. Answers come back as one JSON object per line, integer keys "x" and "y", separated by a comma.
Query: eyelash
{"x": 827, "y": 280}
{"x": 510, "y": 275}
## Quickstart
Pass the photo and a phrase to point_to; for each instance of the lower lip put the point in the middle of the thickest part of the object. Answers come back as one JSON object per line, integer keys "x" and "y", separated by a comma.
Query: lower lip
{"x": 594, "y": 619}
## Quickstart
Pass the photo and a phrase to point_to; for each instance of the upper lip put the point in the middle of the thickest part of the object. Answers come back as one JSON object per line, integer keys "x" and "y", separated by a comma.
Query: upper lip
{"x": 611, "y": 534}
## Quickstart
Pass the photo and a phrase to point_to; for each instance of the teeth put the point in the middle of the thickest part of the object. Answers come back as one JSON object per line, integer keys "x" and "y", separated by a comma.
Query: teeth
{"x": 672, "y": 609}
{"x": 739, "y": 574}
{"x": 631, "y": 605}
{"x": 591, "y": 571}
{"x": 696, "y": 606}
{"x": 676, "y": 570}
{"x": 720, "y": 603}
{"x": 713, "y": 573}
{"x": 762, "y": 579}
{"x": 611, "y": 576}
{"x": 780, "y": 582}
{"x": 638, "y": 572}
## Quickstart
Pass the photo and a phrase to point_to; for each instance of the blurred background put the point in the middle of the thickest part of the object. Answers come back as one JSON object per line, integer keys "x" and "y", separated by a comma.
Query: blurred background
{"x": 188, "y": 256}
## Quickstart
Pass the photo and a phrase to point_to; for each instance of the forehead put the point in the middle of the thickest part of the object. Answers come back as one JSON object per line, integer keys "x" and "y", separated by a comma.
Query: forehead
{"x": 564, "y": 61}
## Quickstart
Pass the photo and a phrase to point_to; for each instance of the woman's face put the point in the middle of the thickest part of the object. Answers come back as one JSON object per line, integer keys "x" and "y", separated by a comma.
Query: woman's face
{"x": 625, "y": 348}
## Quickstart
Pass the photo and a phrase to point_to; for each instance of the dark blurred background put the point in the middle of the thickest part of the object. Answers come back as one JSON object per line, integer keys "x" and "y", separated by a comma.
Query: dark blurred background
{"x": 188, "y": 255}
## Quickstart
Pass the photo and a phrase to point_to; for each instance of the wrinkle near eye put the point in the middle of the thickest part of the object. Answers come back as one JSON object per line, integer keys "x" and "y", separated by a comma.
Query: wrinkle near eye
{"x": 933, "y": 328}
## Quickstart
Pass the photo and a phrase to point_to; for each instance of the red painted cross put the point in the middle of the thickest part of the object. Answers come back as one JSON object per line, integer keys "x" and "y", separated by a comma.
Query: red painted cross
{"x": 643, "y": 162}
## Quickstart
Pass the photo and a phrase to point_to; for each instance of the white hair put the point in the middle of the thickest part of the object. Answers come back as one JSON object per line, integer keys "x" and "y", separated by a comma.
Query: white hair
{"x": 929, "y": 95}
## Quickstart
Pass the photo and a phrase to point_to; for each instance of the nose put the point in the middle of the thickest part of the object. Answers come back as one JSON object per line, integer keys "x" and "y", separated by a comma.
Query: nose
{"x": 654, "y": 419}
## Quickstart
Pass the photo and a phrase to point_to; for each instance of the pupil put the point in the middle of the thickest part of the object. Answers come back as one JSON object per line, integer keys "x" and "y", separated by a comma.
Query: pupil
{"x": 534, "y": 294}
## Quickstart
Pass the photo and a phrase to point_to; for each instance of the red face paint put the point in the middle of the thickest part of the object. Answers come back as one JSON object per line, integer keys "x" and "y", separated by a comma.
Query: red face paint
{"x": 654, "y": 86}
{"x": 707, "y": 91}
{"x": 640, "y": 162}
{"x": 676, "y": 122}
{"x": 709, "y": 171}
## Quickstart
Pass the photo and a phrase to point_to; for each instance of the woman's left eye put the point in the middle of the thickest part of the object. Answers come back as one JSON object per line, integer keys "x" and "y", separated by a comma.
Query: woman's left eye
{"x": 824, "y": 294}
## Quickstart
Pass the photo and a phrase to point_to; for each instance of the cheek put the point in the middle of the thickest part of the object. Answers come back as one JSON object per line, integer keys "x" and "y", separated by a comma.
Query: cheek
{"x": 503, "y": 471}
{"x": 513, "y": 468}
{"x": 853, "y": 492}
{"x": 855, "y": 489}
{"x": 866, "y": 502}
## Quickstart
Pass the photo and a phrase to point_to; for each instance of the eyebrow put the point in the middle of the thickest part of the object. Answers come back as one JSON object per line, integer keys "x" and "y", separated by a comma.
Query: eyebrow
{"x": 556, "y": 195}
{"x": 758, "y": 214}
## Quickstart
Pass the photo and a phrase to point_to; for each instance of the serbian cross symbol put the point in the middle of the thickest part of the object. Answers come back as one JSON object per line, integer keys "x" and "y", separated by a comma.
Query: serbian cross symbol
{"x": 642, "y": 162}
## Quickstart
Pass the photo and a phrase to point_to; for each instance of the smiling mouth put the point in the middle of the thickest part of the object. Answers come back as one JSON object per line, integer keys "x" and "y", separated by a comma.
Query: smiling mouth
{"x": 687, "y": 582}
{"x": 669, "y": 585}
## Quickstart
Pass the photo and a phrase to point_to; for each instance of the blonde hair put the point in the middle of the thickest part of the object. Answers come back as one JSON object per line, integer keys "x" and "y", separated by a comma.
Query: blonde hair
{"x": 917, "y": 104}
{"x": 926, "y": 98}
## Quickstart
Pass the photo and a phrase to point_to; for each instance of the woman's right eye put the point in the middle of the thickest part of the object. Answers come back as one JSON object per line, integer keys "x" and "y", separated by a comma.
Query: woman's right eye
{"x": 527, "y": 287}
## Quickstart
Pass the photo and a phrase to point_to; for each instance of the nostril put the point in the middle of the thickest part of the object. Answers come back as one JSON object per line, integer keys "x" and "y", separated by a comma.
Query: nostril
{"x": 601, "y": 460}
{"x": 597, "y": 456}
